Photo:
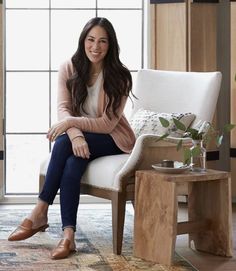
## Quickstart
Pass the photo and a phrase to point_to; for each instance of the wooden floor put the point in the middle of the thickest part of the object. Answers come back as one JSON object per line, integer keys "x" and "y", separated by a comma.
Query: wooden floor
{"x": 204, "y": 261}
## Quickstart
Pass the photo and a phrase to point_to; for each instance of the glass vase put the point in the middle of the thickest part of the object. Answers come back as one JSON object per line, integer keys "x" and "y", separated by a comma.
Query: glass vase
{"x": 198, "y": 156}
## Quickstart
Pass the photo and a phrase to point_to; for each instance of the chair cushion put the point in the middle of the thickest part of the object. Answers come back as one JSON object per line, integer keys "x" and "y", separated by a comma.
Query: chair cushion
{"x": 101, "y": 172}
{"x": 147, "y": 122}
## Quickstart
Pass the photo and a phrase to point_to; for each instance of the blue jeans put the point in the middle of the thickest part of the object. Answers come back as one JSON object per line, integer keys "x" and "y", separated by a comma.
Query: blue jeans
{"x": 65, "y": 171}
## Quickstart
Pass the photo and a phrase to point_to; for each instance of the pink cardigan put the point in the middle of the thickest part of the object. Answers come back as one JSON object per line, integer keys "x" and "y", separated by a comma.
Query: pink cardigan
{"x": 118, "y": 128}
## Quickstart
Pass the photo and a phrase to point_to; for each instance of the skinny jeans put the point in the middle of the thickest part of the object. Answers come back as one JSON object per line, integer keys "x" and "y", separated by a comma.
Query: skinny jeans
{"x": 65, "y": 171}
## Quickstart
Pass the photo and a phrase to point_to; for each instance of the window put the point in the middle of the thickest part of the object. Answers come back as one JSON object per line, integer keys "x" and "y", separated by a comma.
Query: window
{"x": 39, "y": 36}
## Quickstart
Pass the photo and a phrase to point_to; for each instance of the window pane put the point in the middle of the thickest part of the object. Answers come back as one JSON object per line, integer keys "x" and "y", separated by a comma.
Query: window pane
{"x": 129, "y": 34}
{"x": 27, "y": 3}
{"x": 54, "y": 80}
{"x": 27, "y": 39}
{"x": 23, "y": 157}
{"x": 73, "y": 3}
{"x": 27, "y": 102}
{"x": 120, "y": 4}
{"x": 66, "y": 28}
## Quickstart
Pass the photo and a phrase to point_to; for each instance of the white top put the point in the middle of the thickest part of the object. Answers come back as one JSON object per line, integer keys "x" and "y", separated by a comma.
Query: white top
{"x": 91, "y": 102}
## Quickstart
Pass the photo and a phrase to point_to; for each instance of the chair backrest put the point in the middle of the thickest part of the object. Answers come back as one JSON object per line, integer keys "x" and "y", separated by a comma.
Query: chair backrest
{"x": 178, "y": 92}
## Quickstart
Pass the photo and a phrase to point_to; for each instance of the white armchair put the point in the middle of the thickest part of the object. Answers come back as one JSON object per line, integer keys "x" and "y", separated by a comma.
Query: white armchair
{"x": 113, "y": 177}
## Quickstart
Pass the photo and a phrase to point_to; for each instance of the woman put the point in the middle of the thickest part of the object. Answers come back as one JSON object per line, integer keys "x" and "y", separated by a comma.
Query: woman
{"x": 93, "y": 88}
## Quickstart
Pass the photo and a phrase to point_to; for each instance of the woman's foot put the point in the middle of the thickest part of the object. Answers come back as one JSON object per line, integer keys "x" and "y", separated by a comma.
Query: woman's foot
{"x": 38, "y": 219}
{"x": 35, "y": 222}
{"x": 66, "y": 245}
{"x": 25, "y": 230}
{"x": 64, "y": 248}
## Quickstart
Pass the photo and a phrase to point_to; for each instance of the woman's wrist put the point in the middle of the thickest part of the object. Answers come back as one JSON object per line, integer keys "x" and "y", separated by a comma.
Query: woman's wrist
{"x": 70, "y": 121}
{"x": 76, "y": 137}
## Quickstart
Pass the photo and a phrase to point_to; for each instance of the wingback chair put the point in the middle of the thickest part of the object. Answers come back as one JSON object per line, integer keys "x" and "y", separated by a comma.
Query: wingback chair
{"x": 113, "y": 177}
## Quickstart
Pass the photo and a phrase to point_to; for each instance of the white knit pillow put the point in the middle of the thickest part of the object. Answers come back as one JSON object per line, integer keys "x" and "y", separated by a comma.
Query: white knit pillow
{"x": 147, "y": 122}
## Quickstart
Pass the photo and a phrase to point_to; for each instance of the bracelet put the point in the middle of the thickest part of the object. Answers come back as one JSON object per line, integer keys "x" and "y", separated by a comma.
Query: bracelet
{"x": 76, "y": 137}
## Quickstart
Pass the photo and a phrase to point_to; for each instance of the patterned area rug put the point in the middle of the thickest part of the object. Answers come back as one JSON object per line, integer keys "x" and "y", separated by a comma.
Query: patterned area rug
{"x": 94, "y": 244}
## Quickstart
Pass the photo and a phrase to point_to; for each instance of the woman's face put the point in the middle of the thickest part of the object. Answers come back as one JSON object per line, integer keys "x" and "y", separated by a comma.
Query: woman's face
{"x": 96, "y": 44}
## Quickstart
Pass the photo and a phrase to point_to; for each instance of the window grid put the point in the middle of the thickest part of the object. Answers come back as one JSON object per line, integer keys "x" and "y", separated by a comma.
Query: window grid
{"x": 50, "y": 71}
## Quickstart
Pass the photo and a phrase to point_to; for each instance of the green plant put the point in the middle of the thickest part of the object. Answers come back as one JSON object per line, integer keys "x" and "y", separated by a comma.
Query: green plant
{"x": 205, "y": 133}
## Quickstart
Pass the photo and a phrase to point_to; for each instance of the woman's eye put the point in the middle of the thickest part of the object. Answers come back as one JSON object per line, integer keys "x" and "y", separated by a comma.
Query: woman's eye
{"x": 89, "y": 39}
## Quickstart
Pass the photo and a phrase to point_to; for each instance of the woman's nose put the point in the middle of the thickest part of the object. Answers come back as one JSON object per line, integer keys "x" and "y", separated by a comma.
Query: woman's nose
{"x": 95, "y": 45}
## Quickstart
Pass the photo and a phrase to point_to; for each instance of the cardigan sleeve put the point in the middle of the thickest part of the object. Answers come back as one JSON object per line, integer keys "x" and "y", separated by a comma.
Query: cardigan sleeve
{"x": 64, "y": 103}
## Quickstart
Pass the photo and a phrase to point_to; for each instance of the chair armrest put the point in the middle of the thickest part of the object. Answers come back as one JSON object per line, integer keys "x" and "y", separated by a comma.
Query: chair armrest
{"x": 146, "y": 151}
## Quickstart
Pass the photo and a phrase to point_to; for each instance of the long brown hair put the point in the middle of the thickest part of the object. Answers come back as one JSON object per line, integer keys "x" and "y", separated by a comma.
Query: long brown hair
{"x": 117, "y": 78}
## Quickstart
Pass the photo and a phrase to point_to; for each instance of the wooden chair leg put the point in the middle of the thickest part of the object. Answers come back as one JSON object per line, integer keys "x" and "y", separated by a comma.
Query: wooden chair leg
{"x": 118, "y": 219}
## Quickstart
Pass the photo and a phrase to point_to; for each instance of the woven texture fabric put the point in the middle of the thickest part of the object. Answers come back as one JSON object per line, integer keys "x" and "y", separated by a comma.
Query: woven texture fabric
{"x": 147, "y": 122}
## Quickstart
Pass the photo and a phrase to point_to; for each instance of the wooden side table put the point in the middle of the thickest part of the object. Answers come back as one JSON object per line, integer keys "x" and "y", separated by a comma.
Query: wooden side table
{"x": 156, "y": 207}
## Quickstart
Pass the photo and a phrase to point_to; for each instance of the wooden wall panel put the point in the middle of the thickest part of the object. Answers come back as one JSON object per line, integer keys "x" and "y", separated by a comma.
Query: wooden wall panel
{"x": 233, "y": 72}
{"x": 233, "y": 177}
{"x": 1, "y": 79}
{"x": 203, "y": 37}
{"x": 153, "y": 36}
{"x": 202, "y": 46}
{"x": 233, "y": 93}
{"x": 170, "y": 27}
{"x": 1, "y": 102}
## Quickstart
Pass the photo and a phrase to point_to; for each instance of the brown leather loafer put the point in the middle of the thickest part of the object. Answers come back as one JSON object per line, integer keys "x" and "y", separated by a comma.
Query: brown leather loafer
{"x": 25, "y": 231}
{"x": 63, "y": 250}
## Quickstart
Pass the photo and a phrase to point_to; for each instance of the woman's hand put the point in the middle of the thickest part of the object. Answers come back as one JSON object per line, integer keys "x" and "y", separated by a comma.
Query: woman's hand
{"x": 80, "y": 147}
{"x": 58, "y": 128}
